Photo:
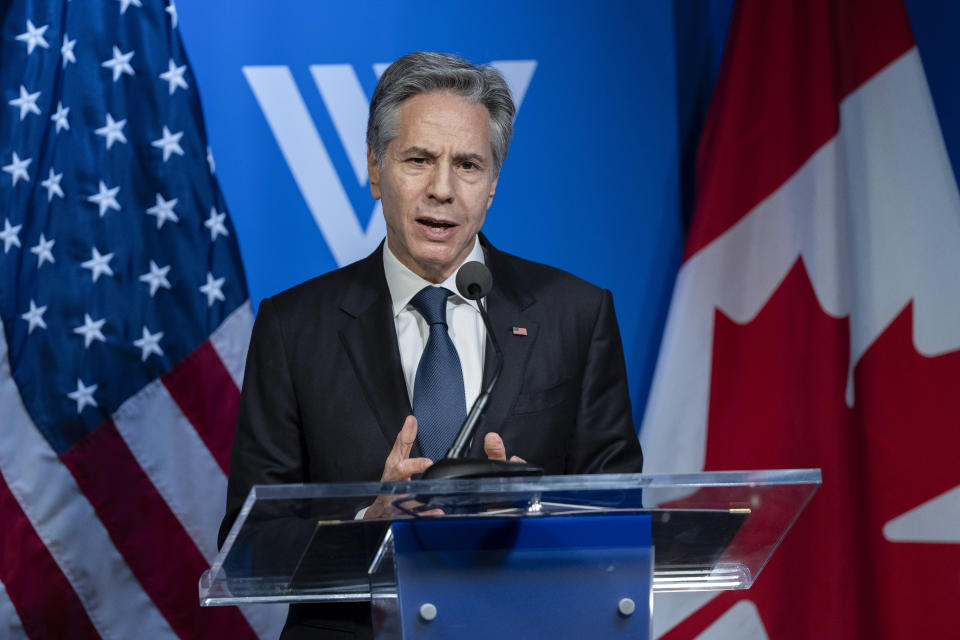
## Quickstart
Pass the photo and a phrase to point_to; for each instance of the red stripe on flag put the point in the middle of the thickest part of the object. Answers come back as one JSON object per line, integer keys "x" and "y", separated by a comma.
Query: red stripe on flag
{"x": 700, "y": 620}
{"x": 34, "y": 582}
{"x": 148, "y": 535}
{"x": 753, "y": 139}
{"x": 203, "y": 389}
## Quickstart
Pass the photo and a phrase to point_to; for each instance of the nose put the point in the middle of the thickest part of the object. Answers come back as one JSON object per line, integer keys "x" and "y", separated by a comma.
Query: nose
{"x": 440, "y": 187}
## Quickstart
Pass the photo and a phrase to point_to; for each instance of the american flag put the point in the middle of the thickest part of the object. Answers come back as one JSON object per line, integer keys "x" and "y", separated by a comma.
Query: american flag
{"x": 125, "y": 320}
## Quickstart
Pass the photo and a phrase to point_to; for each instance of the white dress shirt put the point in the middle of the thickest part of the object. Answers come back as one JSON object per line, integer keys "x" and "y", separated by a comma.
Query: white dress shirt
{"x": 463, "y": 322}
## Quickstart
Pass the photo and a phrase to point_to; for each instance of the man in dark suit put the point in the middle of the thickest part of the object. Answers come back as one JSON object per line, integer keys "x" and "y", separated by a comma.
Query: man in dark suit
{"x": 336, "y": 368}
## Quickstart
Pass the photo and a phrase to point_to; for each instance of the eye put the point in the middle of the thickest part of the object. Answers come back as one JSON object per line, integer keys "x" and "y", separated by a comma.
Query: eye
{"x": 468, "y": 165}
{"x": 417, "y": 160}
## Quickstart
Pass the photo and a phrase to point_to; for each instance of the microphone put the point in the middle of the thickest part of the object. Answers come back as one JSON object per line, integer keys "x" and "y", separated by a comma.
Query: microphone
{"x": 474, "y": 281}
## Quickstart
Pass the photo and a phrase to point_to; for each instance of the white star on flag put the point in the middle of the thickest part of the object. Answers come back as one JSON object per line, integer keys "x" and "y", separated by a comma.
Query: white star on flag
{"x": 52, "y": 185}
{"x": 210, "y": 160}
{"x": 107, "y": 79}
{"x": 125, "y": 4}
{"x": 18, "y": 168}
{"x": 119, "y": 63}
{"x": 174, "y": 75}
{"x": 170, "y": 143}
{"x": 212, "y": 289}
{"x": 156, "y": 278}
{"x": 90, "y": 330}
{"x": 215, "y": 224}
{"x": 27, "y": 102}
{"x": 98, "y": 264}
{"x": 83, "y": 396}
{"x": 105, "y": 198}
{"x": 10, "y": 235}
{"x": 163, "y": 210}
{"x": 33, "y": 36}
{"x": 149, "y": 343}
{"x": 66, "y": 50}
{"x": 60, "y": 117}
{"x": 44, "y": 252}
{"x": 112, "y": 131}
{"x": 172, "y": 10}
{"x": 34, "y": 317}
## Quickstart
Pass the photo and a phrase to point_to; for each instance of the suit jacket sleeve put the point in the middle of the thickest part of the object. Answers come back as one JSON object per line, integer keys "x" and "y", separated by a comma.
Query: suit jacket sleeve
{"x": 604, "y": 439}
{"x": 267, "y": 446}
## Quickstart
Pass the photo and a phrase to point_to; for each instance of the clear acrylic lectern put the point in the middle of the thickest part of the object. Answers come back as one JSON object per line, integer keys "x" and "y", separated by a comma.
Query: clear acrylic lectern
{"x": 558, "y": 556}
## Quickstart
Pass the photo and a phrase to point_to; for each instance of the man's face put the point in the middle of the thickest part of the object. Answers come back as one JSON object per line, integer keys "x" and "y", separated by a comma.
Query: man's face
{"x": 436, "y": 183}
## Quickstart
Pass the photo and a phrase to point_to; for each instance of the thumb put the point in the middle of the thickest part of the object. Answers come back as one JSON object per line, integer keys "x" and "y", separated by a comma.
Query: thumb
{"x": 493, "y": 447}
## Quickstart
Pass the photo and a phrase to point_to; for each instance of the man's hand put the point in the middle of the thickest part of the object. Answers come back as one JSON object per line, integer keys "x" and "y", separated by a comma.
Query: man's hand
{"x": 493, "y": 447}
{"x": 399, "y": 467}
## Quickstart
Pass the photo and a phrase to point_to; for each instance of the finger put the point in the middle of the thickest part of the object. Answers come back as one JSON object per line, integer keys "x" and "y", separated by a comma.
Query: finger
{"x": 411, "y": 466}
{"x": 493, "y": 447}
{"x": 517, "y": 459}
{"x": 419, "y": 509}
{"x": 401, "y": 446}
{"x": 406, "y": 468}
{"x": 406, "y": 437}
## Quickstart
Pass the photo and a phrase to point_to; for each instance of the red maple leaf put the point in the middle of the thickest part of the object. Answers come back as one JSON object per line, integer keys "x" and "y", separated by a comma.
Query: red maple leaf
{"x": 777, "y": 401}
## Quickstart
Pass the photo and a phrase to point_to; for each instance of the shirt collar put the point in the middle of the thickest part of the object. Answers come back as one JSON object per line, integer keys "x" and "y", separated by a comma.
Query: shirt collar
{"x": 403, "y": 283}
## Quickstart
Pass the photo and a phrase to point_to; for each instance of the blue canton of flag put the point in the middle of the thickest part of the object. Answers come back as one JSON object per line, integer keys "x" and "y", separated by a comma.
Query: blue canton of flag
{"x": 125, "y": 320}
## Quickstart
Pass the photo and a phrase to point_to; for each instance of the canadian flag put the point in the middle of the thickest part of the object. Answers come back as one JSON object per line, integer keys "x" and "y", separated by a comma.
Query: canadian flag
{"x": 816, "y": 323}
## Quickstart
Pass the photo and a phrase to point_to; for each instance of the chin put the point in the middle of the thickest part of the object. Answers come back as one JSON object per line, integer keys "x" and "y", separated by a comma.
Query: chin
{"x": 434, "y": 262}
{"x": 436, "y": 256}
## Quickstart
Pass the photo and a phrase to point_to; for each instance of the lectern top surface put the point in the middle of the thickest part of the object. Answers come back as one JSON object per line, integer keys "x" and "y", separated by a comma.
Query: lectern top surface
{"x": 303, "y": 542}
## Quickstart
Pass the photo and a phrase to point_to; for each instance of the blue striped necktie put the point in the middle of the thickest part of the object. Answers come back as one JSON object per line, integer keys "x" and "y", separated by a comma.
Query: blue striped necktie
{"x": 438, "y": 396}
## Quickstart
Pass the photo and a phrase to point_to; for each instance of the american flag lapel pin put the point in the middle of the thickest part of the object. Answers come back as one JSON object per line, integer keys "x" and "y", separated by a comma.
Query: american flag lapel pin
{"x": 519, "y": 331}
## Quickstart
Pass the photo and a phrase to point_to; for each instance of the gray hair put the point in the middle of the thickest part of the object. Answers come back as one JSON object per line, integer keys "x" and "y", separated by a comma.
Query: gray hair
{"x": 424, "y": 71}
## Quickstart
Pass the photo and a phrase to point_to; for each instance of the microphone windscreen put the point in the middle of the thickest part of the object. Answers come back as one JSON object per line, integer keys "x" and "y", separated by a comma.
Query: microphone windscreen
{"x": 474, "y": 280}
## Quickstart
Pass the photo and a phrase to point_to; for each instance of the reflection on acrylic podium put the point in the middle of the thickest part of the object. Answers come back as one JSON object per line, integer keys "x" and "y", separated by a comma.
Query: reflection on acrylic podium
{"x": 554, "y": 557}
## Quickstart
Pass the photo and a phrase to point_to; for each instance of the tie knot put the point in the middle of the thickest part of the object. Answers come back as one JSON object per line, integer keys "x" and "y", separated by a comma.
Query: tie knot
{"x": 431, "y": 302}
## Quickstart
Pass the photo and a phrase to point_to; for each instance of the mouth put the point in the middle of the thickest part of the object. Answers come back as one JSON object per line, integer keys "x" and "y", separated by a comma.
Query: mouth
{"x": 436, "y": 225}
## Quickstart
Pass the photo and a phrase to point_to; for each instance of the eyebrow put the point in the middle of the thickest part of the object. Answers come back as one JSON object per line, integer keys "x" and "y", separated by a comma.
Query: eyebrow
{"x": 418, "y": 151}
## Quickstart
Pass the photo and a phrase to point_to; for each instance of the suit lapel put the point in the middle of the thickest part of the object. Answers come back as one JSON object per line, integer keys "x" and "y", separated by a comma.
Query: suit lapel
{"x": 370, "y": 339}
{"x": 506, "y": 305}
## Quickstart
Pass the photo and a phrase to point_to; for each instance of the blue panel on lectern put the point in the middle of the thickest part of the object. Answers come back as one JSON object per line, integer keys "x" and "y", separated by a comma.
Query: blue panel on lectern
{"x": 560, "y": 577}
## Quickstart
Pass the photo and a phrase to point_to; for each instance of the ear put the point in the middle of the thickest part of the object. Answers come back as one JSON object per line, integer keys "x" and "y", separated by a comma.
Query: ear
{"x": 493, "y": 190}
{"x": 373, "y": 171}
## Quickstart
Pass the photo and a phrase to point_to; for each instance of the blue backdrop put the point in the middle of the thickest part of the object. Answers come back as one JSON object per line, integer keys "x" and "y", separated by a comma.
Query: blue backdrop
{"x": 599, "y": 176}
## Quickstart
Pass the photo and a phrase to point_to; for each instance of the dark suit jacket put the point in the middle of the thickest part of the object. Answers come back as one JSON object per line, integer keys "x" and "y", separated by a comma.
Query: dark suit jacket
{"x": 324, "y": 395}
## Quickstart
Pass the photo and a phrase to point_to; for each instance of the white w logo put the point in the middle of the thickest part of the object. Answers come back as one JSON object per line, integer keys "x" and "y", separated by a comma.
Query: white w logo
{"x": 300, "y": 143}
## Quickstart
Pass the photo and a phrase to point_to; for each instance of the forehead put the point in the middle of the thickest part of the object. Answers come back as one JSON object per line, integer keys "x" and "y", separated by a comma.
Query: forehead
{"x": 443, "y": 121}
